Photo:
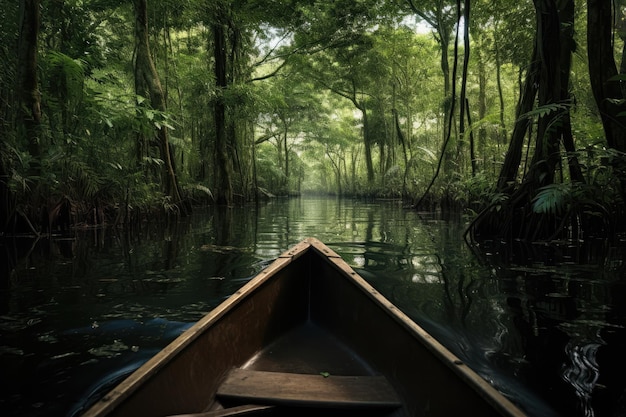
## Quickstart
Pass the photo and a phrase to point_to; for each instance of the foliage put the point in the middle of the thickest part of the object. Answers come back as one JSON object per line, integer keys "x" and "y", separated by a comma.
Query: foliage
{"x": 553, "y": 199}
{"x": 337, "y": 97}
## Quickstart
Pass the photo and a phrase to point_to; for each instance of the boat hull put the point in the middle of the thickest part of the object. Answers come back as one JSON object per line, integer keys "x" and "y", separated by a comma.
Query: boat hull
{"x": 306, "y": 313}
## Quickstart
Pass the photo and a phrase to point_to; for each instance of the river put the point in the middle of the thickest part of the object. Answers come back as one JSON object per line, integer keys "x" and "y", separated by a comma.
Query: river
{"x": 79, "y": 312}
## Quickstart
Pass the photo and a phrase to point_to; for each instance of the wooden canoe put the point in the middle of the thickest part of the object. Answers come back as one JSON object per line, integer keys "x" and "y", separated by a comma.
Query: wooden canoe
{"x": 306, "y": 336}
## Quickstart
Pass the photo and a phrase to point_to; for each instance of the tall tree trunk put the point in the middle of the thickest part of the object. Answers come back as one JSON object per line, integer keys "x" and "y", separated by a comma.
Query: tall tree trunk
{"x": 222, "y": 165}
{"x": 473, "y": 158}
{"x": 482, "y": 108}
{"x": 602, "y": 70}
{"x": 29, "y": 108}
{"x": 404, "y": 151}
{"x": 503, "y": 134}
{"x": 443, "y": 22}
{"x": 606, "y": 89}
{"x": 354, "y": 159}
{"x": 286, "y": 149}
{"x": 620, "y": 28}
{"x": 568, "y": 47}
{"x": 448, "y": 105}
{"x": 29, "y": 104}
{"x": 548, "y": 80}
{"x": 7, "y": 205}
{"x": 147, "y": 83}
{"x": 513, "y": 157}
{"x": 462, "y": 99}
{"x": 368, "y": 145}
{"x": 546, "y": 153}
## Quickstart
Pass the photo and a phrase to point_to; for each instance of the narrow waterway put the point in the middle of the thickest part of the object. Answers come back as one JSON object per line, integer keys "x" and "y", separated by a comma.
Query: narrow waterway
{"x": 79, "y": 312}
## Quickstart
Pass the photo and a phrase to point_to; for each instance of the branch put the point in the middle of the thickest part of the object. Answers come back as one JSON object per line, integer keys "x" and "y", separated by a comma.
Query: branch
{"x": 451, "y": 114}
{"x": 423, "y": 15}
{"x": 271, "y": 74}
{"x": 309, "y": 48}
{"x": 265, "y": 138}
{"x": 269, "y": 53}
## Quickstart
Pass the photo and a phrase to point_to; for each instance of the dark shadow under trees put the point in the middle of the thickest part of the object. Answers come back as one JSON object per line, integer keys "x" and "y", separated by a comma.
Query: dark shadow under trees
{"x": 551, "y": 199}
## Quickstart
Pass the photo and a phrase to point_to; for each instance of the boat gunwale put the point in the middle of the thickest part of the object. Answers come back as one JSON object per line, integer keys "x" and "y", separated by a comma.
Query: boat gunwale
{"x": 134, "y": 381}
{"x": 505, "y": 406}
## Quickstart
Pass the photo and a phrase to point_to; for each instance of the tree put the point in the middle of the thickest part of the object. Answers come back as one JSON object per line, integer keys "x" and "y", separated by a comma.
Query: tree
{"x": 223, "y": 165}
{"x": 206, "y": 67}
{"x": 233, "y": 28}
{"x": 544, "y": 205}
{"x": 548, "y": 82}
{"x": 28, "y": 85}
{"x": 147, "y": 83}
{"x": 29, "y": 101}
{"x": 442, "y": 17}
{"x": 8, "y": 59}
{"x": 351, "y": 69}
{"x": 605, "y": 82}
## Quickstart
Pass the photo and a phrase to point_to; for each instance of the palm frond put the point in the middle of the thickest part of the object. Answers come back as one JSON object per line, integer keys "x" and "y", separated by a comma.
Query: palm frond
{"x": 552, "y": 199}
{"x": 65, "y": 76}
{"x": 202, "y": 188}
{"x": 545, "y": 110}
{"x": 83, "y": 179}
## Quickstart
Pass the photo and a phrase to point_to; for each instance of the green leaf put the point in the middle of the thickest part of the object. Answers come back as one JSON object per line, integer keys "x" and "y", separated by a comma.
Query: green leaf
{"x": 202, "y": 188}
{"x": 546, "y": 109}
{"x": 552, "y": 199}
{"x": 429, "y": 155}
{"x": 155, "y": 161}
{"x": 618, "y": 77}
{"x": 616, "y": 101}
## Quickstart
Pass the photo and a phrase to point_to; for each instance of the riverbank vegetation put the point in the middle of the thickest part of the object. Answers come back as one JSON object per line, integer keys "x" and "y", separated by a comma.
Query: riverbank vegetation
{"x": 114, "y": 111}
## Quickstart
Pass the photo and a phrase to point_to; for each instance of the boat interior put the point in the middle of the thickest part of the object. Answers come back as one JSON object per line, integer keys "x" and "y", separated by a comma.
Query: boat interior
{"x": 307, "y": 337}
{"x": 305, "y": 372}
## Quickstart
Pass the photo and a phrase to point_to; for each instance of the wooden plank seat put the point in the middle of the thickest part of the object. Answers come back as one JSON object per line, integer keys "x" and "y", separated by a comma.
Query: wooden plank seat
{"x": 243, "y": 386}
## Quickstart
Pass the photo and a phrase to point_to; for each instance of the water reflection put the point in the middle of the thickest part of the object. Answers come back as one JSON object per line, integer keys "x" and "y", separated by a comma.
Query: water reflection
{"x": 582, "y": 370}
{"x": 83, "y": 311}
{"x": 564, "y": 313}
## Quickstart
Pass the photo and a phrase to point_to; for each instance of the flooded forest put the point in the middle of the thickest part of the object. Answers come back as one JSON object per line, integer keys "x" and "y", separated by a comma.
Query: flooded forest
{"x": 510, "y": 116}
{"x": 114, "y": 113}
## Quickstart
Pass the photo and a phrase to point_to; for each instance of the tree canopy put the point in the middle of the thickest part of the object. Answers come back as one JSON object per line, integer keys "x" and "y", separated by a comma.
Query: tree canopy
{"x": 111, "y": 111}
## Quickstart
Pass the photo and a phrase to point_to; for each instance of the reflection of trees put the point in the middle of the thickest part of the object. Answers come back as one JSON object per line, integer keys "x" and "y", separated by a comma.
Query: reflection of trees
{"x": 463, "y": 293}
{"x": 457, "y": 284}
{"x": 581, "y": 370}
{"x": 542, "y": 350}
{"x": 559, "y": 319}
{"x": 535, "y": 321}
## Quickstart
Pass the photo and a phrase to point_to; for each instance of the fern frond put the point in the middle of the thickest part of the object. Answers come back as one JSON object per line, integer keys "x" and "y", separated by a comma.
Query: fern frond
{"x": 148, "y": 160}
{"x": 65, "y": 76}
{"x": 428, "y": 156}
{"x": 552, "y": 199}
{"x": 202, "y": 188}
{"x": 545, "y": 110}
{"x": 84, "y": 180}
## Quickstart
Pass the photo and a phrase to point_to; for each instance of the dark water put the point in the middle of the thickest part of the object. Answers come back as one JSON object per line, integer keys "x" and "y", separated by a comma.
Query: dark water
{"x": 79, "y": 313}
